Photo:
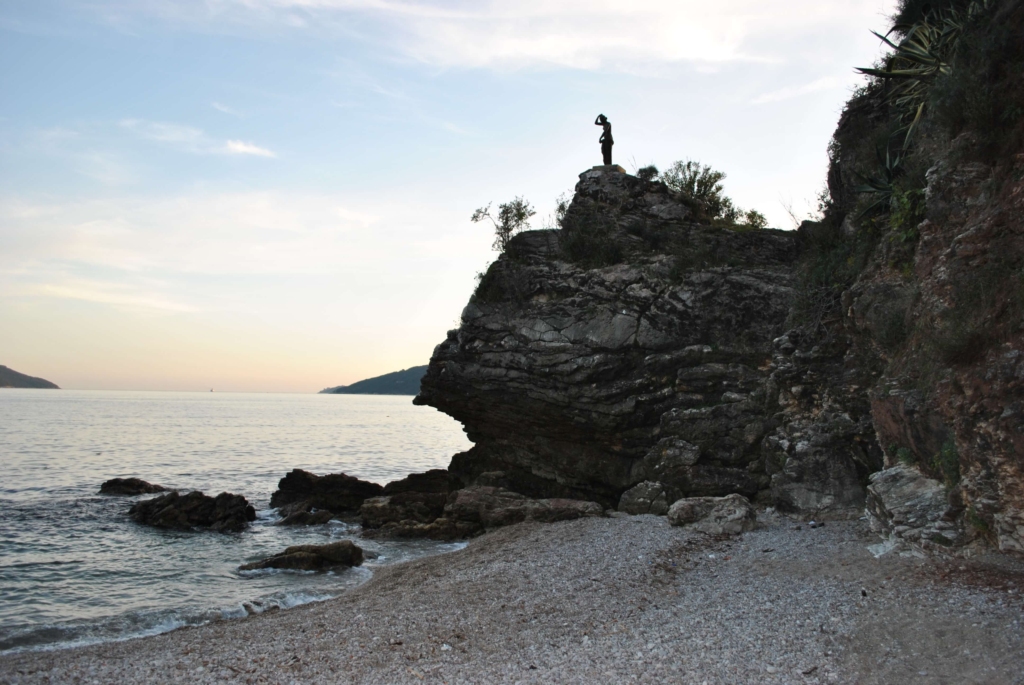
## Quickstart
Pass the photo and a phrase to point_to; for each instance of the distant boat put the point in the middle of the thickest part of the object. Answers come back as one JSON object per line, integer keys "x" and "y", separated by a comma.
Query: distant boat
{"x": 211, "y": 389}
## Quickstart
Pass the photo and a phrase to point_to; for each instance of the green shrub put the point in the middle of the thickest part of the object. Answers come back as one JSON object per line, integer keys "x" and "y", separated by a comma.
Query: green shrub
{"x": 905, "y": 456}
{"x": 947, "y": 462}
{"x": 513, "y": 217}
{"x": 831, "y": 263}
{"x": 647, "y": 173}
{"x": 755, "y": 219}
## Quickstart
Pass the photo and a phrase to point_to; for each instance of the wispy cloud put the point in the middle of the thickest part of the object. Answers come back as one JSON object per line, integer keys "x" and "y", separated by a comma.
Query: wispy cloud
{"x": 239, "y": 147}
{"x": 225, "y": 109}
{"x": 790, "y": 92}
{"x": 191, "y": 139}
{"x": 117, "y": 294}
{"x": 579, "y": 34}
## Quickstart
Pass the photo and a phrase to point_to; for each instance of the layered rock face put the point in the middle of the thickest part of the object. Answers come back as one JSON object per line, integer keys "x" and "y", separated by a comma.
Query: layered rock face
{"x": 579, "y": 380}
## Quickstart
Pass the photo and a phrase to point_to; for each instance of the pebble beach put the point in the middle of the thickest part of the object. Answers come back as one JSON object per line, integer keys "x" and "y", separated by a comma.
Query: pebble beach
{"x": 610, "y": 600}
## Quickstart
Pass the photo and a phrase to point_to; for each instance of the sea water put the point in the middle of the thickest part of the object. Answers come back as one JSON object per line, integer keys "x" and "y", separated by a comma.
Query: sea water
{"x": 74, "y": 569}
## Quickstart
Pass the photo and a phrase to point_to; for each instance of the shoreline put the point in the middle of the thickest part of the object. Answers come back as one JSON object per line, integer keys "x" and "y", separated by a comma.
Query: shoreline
{"x": 610, "y": 600}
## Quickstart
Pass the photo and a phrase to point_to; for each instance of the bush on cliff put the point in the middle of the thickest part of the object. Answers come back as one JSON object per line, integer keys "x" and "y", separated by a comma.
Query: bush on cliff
{"x": 513, "y": 217}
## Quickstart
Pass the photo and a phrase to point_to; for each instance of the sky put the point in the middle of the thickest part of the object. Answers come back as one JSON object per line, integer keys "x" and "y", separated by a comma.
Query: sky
{"x": 274, "y": 195}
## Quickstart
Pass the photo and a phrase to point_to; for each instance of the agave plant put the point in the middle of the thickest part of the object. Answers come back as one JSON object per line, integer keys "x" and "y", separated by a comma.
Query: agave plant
{"x": 883, "y": 184}
{"x": 925, "y": 52}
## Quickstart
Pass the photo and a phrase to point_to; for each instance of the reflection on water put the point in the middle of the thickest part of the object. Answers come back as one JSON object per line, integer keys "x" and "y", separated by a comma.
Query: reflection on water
{"x": 75, "y": 569}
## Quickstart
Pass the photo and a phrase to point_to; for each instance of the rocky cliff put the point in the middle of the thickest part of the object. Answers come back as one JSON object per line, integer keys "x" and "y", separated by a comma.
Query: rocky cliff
{"x": 878, "y": 352}
{"x": 581, "y": 379}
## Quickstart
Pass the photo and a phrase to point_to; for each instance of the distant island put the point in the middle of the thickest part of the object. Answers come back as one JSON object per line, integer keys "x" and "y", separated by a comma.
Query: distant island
{"x": 9, "y": 378}
{"x": 404, "y": 382}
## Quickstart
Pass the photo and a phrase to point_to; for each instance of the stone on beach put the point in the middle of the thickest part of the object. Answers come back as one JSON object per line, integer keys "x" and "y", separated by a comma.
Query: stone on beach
{"x": 648, "y": 497}
{"x": 129, "y": 486}
{"x": 465, "y": 513}
{"x": 335, "y": 492}
{"x": 495, "y": 507}
{"x": 312, "y": 557}
{"x": 225, "y": 513}
{"x": 902, "y": 502}
{"x": 714, "y": 515}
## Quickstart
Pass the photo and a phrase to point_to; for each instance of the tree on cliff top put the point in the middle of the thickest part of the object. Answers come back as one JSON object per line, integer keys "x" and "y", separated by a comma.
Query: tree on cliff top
{"x": 513, "y": 217}
{"x": 703, "y": 186}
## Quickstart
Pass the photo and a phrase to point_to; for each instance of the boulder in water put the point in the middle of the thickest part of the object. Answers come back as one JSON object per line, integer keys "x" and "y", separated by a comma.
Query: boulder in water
{"x": 336, "y": 492}
{"x": 312, "y": 557}
{"x": 129, "y": 486}
{"x": 225, "y": 513}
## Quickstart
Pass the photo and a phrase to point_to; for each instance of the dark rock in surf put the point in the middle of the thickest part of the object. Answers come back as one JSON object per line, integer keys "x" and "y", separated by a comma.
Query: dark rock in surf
{"x": 336, "y": 492}
{"x": 419, "y": 498}
{"x": 435, "y": 480}
{"x": 225, "y": 513}
{"x": 129, "y": 486}
{"x": 312, "y": 557}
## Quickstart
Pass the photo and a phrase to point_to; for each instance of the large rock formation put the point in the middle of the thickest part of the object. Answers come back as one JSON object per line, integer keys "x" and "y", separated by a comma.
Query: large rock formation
{"x": 576, "y": 377}
{"x": 225, "y": 513}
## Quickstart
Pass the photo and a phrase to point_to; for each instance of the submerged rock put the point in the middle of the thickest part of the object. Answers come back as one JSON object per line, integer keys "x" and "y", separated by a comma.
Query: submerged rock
{"x": 312, "y": 557}
{"x": 714, "y": 515}
{"x": 336, "y": 492}
{"x": 129, "y": 486}
{"x": 224, "y": 513}
{"x": 648, "y": 498}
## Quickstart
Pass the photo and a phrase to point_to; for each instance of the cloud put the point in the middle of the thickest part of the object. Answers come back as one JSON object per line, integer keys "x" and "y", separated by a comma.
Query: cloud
{"x": 790, "y": 92}
{"x": 579, "y": 34}
{"x": 225, "y": 109}
{"x": 191, "y": 139}
{"x": 238, "y": 147}
{"x": 118, "y": 294}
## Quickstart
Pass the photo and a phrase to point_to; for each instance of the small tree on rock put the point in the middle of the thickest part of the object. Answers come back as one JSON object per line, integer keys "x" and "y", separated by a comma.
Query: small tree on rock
{"x": 513, "y": 217}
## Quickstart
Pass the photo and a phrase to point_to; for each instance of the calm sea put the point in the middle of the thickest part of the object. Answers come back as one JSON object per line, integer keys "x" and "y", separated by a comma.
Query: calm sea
{"x": 74, "y": 569}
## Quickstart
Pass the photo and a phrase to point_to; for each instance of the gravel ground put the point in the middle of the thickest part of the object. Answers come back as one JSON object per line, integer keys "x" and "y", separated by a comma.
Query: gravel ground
{"x": 612, "y": 600}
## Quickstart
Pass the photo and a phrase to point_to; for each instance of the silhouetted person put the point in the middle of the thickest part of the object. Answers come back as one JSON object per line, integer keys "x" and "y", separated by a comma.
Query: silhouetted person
{"x": 606, "y": 138}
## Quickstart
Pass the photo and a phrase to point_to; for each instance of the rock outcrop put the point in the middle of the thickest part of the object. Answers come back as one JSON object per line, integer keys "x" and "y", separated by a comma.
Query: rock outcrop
{"x": 225, "y": 513}
{"x": 635, "y": 345}
{"x": 567, "y": 375}
{"x": 344, "y": 553}
{"x": 337, "y": 493}
{"x": 732, "y": 514}
{"x": 129, "y": 486}
{"x": 905, "y": 504}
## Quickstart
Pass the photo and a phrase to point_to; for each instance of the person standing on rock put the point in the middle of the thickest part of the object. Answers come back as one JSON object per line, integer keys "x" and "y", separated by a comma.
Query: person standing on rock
{"x": 606, "y": 138}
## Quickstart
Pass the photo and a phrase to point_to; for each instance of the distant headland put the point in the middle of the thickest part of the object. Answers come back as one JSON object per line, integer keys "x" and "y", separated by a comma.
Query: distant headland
{"x": 404, "y": 382}
{"x": 9, "y": 378}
